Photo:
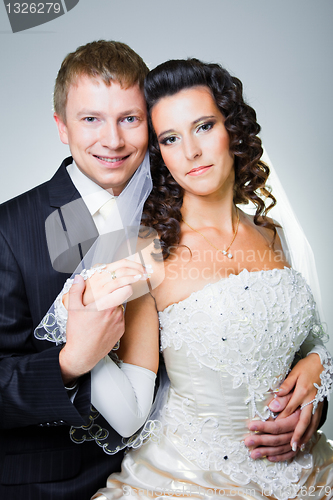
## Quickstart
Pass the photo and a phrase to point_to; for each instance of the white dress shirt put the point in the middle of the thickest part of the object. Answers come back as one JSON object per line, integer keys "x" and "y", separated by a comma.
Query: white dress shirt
{"x": 94, "y": 196}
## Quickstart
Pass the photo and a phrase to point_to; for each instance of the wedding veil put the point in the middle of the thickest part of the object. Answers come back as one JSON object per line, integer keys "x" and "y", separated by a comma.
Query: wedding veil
{"x": 117, "y": 242}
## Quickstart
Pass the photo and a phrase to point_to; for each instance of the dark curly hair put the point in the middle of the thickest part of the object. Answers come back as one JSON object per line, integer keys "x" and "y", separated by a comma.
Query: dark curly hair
{"x": 162, "y": 210}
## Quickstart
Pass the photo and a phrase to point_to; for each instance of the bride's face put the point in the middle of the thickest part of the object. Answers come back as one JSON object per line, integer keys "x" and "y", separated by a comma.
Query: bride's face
{"x": 194, "y": 142}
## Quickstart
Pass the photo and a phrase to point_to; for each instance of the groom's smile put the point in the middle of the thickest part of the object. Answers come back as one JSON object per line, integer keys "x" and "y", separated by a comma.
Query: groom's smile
{"x": 106, "y": 130}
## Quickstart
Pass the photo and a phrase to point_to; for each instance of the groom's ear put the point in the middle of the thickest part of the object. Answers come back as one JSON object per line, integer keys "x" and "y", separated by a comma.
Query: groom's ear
{"x": 62, "y": 128}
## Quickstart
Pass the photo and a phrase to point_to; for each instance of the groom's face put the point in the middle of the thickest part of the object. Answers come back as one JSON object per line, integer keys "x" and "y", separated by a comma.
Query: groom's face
{"x": 106, "y": 130}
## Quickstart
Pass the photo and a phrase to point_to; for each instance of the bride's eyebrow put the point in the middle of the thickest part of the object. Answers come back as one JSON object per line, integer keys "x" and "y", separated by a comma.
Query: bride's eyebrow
{"x": 165, "y": 133}
{"x": 195, "y": 122}
{"x": 202, "y": 119}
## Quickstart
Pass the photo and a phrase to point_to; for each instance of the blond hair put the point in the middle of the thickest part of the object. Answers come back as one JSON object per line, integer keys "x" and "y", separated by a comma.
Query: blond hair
{"x": 109, "y": 60}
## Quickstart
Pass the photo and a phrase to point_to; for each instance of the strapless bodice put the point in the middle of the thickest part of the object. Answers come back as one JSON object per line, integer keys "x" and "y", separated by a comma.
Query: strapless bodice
{"x": 226, "y": 348}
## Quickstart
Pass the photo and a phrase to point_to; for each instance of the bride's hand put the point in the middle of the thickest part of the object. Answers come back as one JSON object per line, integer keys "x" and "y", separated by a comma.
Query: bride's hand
{"x": 111, "y": 286}
{"x": 90, "y": 334}
{"x": 299, "y": 384}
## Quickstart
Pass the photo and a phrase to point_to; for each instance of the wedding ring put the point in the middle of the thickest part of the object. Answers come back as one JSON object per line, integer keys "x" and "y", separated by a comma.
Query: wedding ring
{"x": 123, "y": 308}
{"x": 102, "y": 270}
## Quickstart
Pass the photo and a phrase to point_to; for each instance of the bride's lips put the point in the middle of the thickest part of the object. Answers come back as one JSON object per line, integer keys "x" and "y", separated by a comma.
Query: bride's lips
{"x": 111, "y": 161}
{"x": 199, "y": 170}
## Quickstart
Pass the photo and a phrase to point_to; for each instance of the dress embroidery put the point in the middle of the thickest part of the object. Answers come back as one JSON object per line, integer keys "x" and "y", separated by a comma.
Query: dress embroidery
{"x": 247, "y": 327}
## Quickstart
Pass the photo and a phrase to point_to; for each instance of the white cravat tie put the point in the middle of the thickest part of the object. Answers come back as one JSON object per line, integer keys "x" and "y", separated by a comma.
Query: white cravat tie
{"x": 107, "y": 218}
{"x": 107, "y": 208}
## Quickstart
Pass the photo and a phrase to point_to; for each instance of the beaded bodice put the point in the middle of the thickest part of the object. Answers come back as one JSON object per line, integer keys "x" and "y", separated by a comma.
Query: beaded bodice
{"x": 226, "y": 348}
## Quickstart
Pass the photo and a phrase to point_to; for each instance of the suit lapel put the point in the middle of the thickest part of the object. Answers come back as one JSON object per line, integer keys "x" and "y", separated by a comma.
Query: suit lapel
{"x": 70, "y": 229}
{"x": 60, "y": 187}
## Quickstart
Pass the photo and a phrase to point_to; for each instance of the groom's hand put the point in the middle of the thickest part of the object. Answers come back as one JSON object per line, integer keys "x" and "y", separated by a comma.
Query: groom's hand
{"x": 90, "y": 333}
{"x": 272, "y": 438}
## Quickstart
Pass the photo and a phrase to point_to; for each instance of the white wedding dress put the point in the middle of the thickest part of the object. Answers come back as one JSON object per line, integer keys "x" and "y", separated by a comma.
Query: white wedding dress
{"x": 226, "y": 348}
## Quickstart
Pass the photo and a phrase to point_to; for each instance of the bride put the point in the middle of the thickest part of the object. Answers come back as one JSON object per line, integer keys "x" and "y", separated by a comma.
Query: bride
{"x": 231, "y": 311}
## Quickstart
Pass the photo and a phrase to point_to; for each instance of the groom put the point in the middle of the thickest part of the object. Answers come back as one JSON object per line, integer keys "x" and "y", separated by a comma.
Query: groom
{"x": 44, "y": 390}
{"x": 100, "y": 112}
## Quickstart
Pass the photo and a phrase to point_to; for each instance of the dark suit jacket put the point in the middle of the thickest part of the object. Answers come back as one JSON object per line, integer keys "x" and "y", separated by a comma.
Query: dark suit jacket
{"x": 37, "y": 458}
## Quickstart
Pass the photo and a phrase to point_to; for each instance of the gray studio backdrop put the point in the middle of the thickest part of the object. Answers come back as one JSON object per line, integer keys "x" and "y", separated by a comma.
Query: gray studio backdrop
{"x": 281, "y": 50}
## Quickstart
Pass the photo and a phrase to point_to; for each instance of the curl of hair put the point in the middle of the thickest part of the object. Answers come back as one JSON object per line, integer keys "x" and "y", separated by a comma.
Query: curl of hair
{"x": 162, "y": 210}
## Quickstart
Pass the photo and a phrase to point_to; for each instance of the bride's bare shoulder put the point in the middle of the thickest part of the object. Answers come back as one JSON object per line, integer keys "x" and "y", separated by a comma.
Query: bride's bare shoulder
{"x": 267, "y": 232}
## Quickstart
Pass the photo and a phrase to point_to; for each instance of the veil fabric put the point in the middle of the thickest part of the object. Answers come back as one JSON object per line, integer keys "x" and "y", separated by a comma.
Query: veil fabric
{"x": 295, "y": 244}
{"x": 117, "y": 241}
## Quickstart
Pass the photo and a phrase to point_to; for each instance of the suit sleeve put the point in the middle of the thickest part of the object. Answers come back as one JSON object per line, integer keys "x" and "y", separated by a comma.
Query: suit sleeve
{"x": 31, "y": 387}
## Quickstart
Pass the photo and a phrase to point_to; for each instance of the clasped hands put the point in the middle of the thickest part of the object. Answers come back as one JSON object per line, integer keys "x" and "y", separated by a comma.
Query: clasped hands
{"x": 280, "y": 439}
{"x": 110, "y": 285}
{"x": 96, "y": 315}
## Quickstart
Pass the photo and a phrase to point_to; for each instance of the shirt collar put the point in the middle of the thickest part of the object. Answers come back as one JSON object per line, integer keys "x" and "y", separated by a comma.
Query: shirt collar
{"x": 93, "y": 195}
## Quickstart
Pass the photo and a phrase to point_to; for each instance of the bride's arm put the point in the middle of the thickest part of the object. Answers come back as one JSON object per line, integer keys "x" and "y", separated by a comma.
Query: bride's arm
{"x": 311, "y": 379}
{"x": 123, "y": 394}
{"x": 309, "y": 382}
{"x": 292, "y": 426}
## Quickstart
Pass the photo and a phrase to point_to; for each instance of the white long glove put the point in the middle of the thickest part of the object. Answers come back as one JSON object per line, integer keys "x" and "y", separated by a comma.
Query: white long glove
{"x": 123, "y": 395}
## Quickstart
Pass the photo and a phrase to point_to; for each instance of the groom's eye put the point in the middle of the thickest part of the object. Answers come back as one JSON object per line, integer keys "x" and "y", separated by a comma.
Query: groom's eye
{"x": 130, "y": 119}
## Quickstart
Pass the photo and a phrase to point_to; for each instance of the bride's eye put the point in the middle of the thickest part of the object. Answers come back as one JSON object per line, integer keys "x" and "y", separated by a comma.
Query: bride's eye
{"x": 204, "y": 127}
{"x": 168, "y": 140}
